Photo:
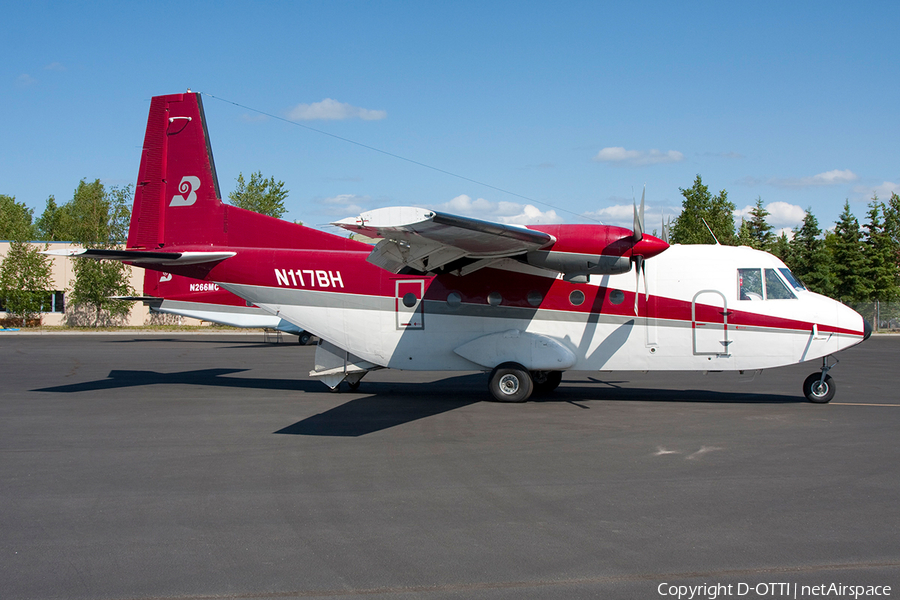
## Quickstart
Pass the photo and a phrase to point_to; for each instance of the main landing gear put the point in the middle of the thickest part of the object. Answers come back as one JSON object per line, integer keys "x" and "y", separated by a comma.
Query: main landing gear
{"x": 511, "y": 382}
{"x": 819, "y": 387}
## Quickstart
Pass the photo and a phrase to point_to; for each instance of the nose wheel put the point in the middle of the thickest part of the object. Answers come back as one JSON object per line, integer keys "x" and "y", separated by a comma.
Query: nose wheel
{"x": 820, "y": 387}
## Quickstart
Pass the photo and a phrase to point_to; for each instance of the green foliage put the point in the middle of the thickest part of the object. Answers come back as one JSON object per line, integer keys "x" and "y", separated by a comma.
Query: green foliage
{"x": 95, "y": 218}
{"x": 15, "y": 220}
{"x": 49, "y": 224}
{"x": 810, "y": 260}
{"x": 96, "y": 281}
{"x": 881, "y": 269}
{"x": 699, "y": 205}
{"x": 759, "y": 234}
{"x": 265, "y": 196}
{"x": 25, "y": 280}
{"x": 782, "y": 248}
{"x": 848, "y": 253}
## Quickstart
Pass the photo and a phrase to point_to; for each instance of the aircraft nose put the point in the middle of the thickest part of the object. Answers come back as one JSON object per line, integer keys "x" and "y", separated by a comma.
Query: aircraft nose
{"x": 867, "y": 330}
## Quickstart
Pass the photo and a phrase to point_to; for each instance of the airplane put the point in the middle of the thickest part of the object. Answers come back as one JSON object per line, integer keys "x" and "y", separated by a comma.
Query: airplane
{"x": 452, "y": 293}
{"x": 176, "y": 295}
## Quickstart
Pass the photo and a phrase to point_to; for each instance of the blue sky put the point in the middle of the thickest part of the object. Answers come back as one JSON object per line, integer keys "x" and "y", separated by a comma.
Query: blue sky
{"x": 571, "y": 106}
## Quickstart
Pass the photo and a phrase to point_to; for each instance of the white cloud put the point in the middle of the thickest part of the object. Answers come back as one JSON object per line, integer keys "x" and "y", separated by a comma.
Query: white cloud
{"x": 333, "y": 110}
{"x": 344, "y": 205}
{"x": 637, "y": 158}
{"x": 511, "y": 213}
{"x": 884, "y": 191}
{"x": 622, "y": 215}
{"x": 835, "y": 177}
{"x": 781, "y": 215}
{"x": 248, "y": 118}
{"x": 25, "y": 80}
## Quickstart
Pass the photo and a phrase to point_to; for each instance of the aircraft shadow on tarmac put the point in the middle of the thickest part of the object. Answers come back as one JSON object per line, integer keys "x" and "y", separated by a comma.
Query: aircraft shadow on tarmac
{"x": 382, "y": 405}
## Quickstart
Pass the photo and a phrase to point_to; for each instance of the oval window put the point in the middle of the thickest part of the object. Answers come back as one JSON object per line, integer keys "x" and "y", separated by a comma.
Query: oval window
{"x": 494, "y": 298}
{"x": 535, "y": 298}
{"x": 617, "y": 296}
{"x": 576, "y": 298}
{"x": 454, "y": 300}
{"x": 409, "y": 300}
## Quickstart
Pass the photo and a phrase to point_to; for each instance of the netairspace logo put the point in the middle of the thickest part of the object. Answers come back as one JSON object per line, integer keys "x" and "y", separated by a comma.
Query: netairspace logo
{"x": 772, "y": 590}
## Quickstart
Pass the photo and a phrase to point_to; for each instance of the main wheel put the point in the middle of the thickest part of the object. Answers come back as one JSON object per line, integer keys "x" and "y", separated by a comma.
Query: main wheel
{"x": 304, "y": 338}
{"x": 819, "y": 391}
{"x": 546, "y": 381}
{"x": 511, "y": 382}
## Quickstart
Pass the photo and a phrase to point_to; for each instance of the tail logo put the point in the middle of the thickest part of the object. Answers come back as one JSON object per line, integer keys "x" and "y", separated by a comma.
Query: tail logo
{"x": 188, "y": 188}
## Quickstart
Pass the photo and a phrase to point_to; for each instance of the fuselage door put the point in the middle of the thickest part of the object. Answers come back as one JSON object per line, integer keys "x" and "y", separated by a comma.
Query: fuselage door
{"x": 409, "y": 307}
{"x": 709, "y": 321}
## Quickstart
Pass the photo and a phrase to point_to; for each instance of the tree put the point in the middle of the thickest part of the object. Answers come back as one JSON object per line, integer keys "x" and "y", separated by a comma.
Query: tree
{"x": 781, "y": 248}
{"x": 49, "y": 224}
{"x": 881, "y": 265}
{"x": 892, "y": 226}
{"x": 15, "y": 220}
{"x": 98, "y": 218}
{"x": 265, "y": 196}
{"x": 25, "y": 273}
{"x": 699, "y": 205}
{"x": 849, "y": 266}
{"x": 810, "y": 259}
{"x": 759, "y": 234}
{"x": 25, "y": 280}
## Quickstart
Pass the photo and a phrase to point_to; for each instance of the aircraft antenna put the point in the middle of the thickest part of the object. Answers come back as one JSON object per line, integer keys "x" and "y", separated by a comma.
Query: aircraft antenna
{"x": 710, "y": 231}
{"x": 409, "y": 160}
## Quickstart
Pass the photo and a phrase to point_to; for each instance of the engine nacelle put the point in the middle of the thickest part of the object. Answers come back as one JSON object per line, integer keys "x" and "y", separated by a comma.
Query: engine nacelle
{"x": 574, "y": 263}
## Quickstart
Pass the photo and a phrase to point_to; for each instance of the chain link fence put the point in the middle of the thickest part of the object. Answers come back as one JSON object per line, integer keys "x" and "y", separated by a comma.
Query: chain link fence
{"x": 883, "y": 316}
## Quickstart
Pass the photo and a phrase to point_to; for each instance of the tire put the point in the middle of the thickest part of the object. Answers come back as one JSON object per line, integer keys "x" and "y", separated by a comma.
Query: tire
{"x": 546, "y": 381}
{"x": 818, "y": 391}
{"x": 304, "y": 338}
{"x": 511, "y": 382}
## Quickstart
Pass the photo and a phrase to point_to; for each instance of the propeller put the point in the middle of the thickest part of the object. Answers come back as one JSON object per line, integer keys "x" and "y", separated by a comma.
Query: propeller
{"x": 640, "y": 267}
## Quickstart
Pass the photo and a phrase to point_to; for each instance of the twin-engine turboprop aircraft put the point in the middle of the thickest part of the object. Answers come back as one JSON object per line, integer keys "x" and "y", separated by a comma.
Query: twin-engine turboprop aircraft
{"x": 443, "y": 292}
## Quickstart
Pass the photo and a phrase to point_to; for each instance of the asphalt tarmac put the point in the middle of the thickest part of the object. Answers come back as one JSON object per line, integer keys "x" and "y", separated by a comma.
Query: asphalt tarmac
{"x": 212, "y": 466}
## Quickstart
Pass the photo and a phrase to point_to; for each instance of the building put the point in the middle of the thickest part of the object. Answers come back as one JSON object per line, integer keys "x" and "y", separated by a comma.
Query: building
{"x": 63, "y": 277}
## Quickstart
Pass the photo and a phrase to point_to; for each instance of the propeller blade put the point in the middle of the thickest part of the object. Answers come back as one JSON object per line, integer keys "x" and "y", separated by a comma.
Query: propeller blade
{"x": 644, "y": 275}
{"x": 665, "y": 231}
{"x": 638, "y": 234}
{"x": 638, "y": 267}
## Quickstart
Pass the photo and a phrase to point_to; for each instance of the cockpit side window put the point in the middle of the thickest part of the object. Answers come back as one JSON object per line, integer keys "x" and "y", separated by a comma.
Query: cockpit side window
{"x": 792, "y": 279}
{"x": 775, "y": 287}
{"x": 750, "y": 284}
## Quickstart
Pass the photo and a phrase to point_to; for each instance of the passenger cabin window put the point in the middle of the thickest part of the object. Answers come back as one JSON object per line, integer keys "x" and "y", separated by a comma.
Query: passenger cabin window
{"x": 775, "y": 287}
{"x": 750, "y": 284}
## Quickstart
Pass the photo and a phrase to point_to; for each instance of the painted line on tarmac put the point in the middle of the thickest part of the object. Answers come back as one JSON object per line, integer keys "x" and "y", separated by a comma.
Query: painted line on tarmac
{"x": 860, "y": 404}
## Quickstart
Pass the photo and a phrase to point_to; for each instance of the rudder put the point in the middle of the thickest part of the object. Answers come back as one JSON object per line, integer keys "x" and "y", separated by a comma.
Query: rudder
{"x": 176, "y": 140}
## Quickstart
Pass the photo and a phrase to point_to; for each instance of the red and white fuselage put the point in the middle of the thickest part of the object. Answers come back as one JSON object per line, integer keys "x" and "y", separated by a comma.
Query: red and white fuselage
{"x": 442, "y": 292}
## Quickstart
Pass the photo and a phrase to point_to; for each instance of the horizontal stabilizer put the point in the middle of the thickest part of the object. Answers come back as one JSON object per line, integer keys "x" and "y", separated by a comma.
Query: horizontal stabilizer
{"x": 140, "y": 257}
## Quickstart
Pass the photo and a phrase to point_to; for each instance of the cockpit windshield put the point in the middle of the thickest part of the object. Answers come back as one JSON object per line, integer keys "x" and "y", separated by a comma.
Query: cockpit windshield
{"x": 765, "y": 284}
{"x": 791, "y": 279}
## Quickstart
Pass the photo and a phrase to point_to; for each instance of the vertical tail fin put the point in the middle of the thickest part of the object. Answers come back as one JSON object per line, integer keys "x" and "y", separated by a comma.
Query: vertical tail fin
{"x": 177, "y": 203}
{"x": 177, "y": 172}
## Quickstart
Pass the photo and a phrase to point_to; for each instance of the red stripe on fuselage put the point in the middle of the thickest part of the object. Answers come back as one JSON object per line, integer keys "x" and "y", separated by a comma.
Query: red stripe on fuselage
{"x": 348, "y": 272}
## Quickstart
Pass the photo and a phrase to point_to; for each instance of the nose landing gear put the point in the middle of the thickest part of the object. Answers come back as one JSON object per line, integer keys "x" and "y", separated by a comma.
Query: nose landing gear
{"x": 820, "y": 387}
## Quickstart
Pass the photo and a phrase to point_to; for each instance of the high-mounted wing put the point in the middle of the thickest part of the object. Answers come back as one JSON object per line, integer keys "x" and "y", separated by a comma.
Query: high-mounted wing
{"x": 426, "y": 240}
